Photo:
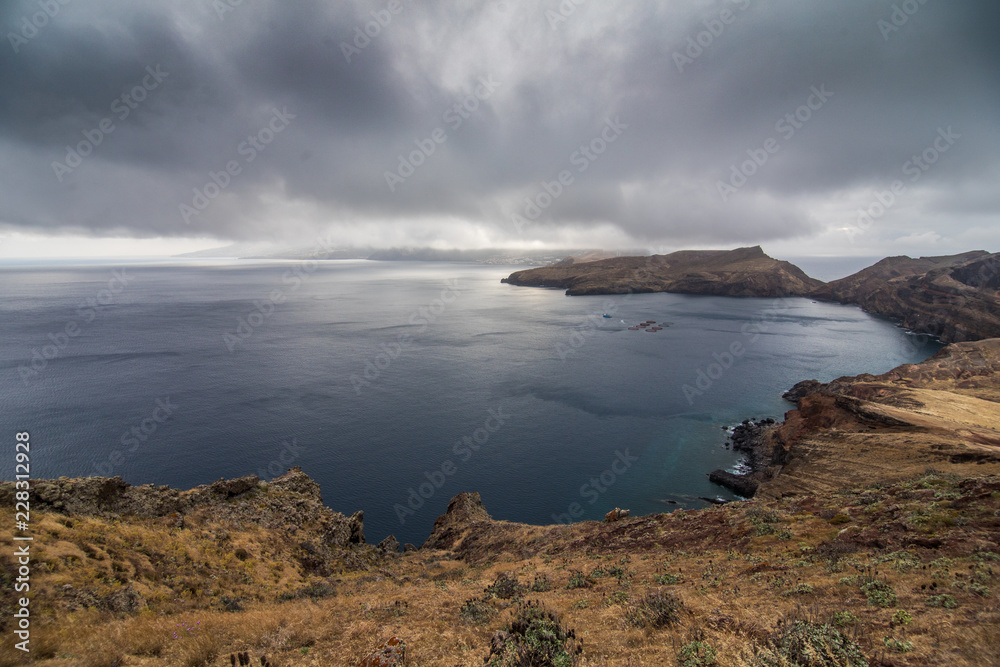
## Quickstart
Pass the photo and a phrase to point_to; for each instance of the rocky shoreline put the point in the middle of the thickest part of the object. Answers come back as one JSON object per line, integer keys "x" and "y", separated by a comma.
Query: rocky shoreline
{"x": 750, "y": 439}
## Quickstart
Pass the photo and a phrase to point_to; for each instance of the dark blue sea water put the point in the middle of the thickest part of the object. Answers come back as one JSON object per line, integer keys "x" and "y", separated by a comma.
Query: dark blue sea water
{"x": 385, "y": 381}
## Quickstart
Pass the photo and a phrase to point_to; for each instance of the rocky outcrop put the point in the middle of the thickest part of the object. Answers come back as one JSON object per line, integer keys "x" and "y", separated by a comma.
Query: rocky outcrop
{"x": 617, "y": 514}
{"x": 745, "y": 272}
{"x": 751, "y": 439}
{"x": 952, "y": 297}
{"x": 390, "y": 654}
{"x": 464, "y": 510}
{"x": 743, "y": 485}
{"x": 287, "y": 502}
{"x": 390, "y": 545}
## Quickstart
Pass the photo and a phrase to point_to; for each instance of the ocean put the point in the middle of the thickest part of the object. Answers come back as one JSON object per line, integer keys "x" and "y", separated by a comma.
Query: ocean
{"x": 397, "y": 385}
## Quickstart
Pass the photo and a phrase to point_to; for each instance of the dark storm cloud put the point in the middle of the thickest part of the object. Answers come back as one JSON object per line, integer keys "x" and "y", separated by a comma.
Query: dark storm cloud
{"x": 550, "y": 77}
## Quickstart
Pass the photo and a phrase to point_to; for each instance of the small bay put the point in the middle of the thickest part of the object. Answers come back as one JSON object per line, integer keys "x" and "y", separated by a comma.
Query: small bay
{"x": 396, "y": 385}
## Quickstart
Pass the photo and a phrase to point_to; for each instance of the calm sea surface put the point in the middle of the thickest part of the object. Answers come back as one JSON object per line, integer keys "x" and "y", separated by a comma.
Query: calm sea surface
{"x": 398, "y": 385}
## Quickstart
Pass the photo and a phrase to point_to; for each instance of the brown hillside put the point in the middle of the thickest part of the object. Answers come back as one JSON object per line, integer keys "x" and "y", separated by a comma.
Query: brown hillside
{"x": 740, "y": 272}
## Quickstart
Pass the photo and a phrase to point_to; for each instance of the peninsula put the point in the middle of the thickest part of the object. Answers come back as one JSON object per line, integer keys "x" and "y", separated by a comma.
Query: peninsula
{"x": 740, "y": 272}
{"x": 954, "y": 297}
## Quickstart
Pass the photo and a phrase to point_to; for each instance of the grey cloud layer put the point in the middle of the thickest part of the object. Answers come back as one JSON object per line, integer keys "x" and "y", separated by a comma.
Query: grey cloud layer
{"x": 560, "y": 81}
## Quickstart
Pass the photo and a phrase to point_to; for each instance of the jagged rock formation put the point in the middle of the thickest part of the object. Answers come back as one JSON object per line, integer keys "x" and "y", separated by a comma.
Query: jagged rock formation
{"x": 740, "y": 272}
{"x": 287, "y": 502}
{"x": 954, "y": 297}
{"x": 463, "y": 510}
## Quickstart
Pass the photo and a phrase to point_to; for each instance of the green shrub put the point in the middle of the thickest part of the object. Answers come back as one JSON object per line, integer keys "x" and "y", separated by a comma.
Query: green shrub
{"x": 578, "y": 579}
{"x": 879, "y": 594}
{"x": 668, "y": 579}
{"x": 844, "y": 618}
{"x": 618, "y": 597}
{"x": 504, "y": 587}
{"x": 535, "y": 638}
{"x": 943, "y": 600}
{"x": 476, "y": 611}
{"x": 801, "y": 589}
{"x": 805, "y": 644}
{"x": 696, "y": 654}
{"x": 901, "y": 617}
{"x": 898, "y": 646}
{"x": 901, "y": 561}
{"x": 542, "y": 584}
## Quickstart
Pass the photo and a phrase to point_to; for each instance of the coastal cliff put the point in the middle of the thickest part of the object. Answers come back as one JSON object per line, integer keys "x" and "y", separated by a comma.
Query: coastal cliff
{"x": 943, "y": 413}
{"x": 956, "y": 298}
{"x": 741, "y": 272}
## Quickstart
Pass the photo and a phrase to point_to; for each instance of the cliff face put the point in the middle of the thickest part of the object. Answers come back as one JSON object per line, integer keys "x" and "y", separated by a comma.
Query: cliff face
{"x": 954, "y": 297}
{"x": 740, "y": 272}
{"x": 943, "y": 413}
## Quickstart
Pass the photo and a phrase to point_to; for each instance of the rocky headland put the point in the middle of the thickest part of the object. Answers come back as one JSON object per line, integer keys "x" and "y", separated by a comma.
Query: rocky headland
{"x": 943, "y": 413}
{"x": 956, "y": 298}
{"x": 740, "y": 272}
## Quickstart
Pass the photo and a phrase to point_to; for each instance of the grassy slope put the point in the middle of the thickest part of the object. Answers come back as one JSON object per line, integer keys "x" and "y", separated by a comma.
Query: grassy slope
{"x": 740, "y": 570}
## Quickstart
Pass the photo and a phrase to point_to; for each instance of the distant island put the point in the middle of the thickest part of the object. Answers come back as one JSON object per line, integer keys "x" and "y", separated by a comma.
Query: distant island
{"x": 952, "y": 297}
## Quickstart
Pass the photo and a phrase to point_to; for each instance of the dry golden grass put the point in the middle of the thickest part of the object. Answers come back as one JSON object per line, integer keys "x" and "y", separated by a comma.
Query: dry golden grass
{"x": 740, "y": 570}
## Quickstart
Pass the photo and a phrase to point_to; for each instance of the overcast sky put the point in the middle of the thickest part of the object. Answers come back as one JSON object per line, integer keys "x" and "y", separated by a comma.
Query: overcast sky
{"x": 680, "y": 124}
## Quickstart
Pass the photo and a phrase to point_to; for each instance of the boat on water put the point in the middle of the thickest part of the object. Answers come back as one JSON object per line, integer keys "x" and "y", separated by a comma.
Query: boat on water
{"x": 607, "y": 316}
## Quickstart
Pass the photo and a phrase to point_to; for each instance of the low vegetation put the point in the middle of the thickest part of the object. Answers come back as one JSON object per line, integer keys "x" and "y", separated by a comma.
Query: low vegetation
{"x": 752, "y": 584}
